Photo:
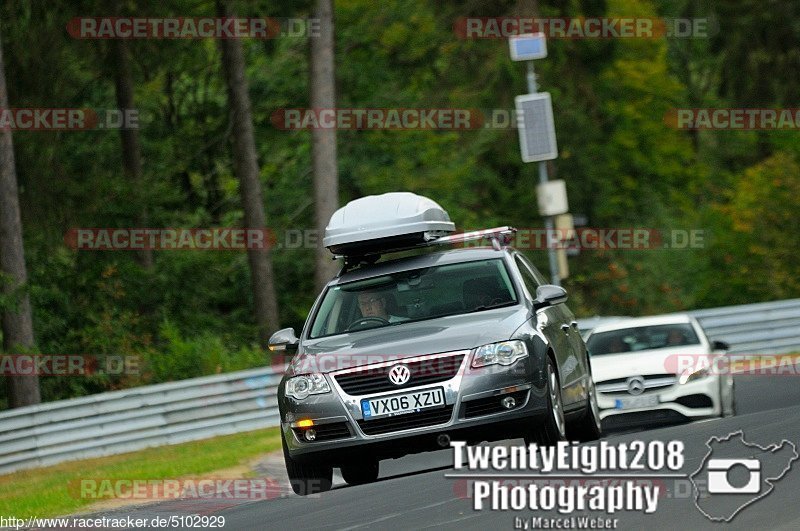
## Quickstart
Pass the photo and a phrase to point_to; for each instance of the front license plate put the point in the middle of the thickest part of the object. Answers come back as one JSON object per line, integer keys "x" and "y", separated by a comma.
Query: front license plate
{"x": 385, "y": 406}
{"x": 636, "y": 402}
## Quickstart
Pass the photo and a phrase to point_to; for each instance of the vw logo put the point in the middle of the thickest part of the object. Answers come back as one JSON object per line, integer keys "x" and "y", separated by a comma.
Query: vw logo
{"x": 399, "y": 374}
{"x": 635, "y": 385}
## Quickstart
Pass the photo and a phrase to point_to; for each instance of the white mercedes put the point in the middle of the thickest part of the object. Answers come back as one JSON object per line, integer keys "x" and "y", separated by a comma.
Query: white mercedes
{"x": 659, "y": 369}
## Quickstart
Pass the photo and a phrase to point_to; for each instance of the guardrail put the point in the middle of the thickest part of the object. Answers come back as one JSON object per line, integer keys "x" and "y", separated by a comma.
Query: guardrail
{"x": 155, "y": 415}
{"x": 123, "y": 421}
{"x": 760, "y": 328}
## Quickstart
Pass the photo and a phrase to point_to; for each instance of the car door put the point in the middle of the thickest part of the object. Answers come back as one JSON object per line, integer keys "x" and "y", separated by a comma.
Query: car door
{"x": 578, "y": 348}
{"x": 549, "y": 319}
{"x": 561, "y": 329}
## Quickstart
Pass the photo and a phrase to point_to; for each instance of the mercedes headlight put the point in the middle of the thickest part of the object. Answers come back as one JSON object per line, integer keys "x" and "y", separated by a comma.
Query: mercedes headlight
{"x": 692, "y": 376}
{"x": 503, "y": 353}
{"x": 300, "y": 387}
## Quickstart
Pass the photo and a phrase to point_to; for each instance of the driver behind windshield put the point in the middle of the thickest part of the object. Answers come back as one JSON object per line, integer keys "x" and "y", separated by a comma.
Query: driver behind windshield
{"x": 373, "y": 304}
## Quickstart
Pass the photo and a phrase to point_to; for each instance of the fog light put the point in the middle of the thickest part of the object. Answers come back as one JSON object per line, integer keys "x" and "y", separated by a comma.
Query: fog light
{"x": 310, "y": 434}
{"x": 508, "y": 402}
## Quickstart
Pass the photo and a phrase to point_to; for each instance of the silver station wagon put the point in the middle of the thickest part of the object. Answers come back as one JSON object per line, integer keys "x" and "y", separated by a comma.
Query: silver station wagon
{"x": 454, "y": 336}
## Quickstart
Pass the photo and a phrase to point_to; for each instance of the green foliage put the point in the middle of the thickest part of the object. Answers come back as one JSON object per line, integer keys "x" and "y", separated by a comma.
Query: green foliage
{"x": 205, "y": 354}
{"x": 758, "y": 234}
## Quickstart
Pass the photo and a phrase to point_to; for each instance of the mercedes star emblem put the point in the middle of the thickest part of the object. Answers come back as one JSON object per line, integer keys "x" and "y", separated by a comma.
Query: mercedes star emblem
{"x": 635, "y": 385}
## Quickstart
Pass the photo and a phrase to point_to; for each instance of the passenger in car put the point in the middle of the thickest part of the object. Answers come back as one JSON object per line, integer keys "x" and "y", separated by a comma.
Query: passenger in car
{"x": 374, "y": 304}
{"x": 617, "y": 345}
{"x": 675, "y": 338}
{"x": 483, "y": 291}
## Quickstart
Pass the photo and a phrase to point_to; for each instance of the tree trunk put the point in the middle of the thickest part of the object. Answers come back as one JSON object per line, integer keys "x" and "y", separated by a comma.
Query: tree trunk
{"x": 17, "y": 322}
{"x": 245, "y": 165}
{"x": 323, "y": 141}
{"x": 131, "y": 152}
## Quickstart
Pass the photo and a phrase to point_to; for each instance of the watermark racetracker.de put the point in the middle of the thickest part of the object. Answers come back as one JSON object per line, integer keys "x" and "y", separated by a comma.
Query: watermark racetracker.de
{"x": 583, "y": 27}
{"x": 169, "y": 239}
{"x": 734, "y": 119}
{"x": 233, "y": 239}
{"x": 68, "y": 365}
{"x": 192, "y": 27}
{"x": 67, "y": 119}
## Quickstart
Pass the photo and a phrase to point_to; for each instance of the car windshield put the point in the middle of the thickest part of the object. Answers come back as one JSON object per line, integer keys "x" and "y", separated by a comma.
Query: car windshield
{"x": 642, "y": 338}
{"x": 414, "y": 295}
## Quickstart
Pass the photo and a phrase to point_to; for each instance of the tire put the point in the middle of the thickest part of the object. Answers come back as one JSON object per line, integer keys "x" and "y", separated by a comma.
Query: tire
{"x": 551, "y": 429}
{"x": 361, "y": 473}
{"x": 588, "y": 427}
{"x": 307, "y": 478}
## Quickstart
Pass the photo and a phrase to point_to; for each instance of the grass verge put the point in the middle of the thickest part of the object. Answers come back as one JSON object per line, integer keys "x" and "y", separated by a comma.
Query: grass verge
{"x": 45, "y": 492}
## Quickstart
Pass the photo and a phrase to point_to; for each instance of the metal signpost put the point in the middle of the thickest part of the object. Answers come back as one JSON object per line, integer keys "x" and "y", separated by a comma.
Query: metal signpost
{"x": 537, "y": 141}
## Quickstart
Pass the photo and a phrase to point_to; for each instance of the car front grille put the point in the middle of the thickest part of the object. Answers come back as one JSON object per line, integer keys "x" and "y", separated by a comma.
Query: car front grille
{"x": 424, "y": 418}
{"x": 651, "y": 382}
{"x": 376, "y": 379}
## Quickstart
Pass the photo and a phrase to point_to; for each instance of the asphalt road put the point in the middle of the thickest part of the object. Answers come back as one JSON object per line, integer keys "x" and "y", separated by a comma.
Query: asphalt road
{"x": 413, "y": 492}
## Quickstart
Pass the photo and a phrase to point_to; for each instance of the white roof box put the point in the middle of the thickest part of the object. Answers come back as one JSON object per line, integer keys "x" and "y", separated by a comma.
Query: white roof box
{"x": 383, "y": 223}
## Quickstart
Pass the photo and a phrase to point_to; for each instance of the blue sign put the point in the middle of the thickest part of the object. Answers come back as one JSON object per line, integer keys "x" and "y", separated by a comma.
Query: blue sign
{"x": 528, "y": 47}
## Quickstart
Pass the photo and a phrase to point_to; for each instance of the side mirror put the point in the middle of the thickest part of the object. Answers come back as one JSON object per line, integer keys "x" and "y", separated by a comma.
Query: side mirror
{"x": 720, "y": 345}
{"x": 284, "y": 339}
{"x": 549, "y": 295}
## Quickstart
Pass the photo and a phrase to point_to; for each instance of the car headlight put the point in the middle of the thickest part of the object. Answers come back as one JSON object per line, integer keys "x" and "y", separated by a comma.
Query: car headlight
{"x": 692, "y": 376}
{"x": 300, "y": 387}
{"x": 503, "y": 353}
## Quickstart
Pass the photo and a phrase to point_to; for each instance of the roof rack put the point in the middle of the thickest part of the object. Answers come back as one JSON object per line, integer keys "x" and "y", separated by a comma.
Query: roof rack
{"x": 500, "y": 237}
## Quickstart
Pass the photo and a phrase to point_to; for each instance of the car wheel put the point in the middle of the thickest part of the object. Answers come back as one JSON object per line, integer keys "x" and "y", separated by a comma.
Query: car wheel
{"x": 361, "y": 473}
{"x": 551, "y": 429}
{"x": 588, "y": 427}
{"x": 307, "y": 478}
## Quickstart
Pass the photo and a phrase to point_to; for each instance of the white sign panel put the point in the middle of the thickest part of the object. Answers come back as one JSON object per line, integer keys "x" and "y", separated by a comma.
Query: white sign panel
{"x": 552, "y": 198}
{"x": 537, "y": 131}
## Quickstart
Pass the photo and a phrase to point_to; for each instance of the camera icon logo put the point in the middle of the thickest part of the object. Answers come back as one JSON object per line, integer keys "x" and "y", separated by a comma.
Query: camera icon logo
{"x": 718, "y": 482}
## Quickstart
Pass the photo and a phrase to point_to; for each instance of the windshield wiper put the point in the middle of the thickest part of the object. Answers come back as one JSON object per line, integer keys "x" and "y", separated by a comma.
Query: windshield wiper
{"x": 490, "y": 306}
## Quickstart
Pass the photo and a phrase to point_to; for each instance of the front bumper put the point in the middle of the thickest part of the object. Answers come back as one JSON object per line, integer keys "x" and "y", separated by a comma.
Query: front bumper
{"x": 696, "y": 399}
{"x": 471, "y": 412}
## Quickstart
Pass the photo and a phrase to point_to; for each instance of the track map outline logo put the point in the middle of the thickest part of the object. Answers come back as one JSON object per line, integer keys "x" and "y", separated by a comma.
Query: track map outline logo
{"x": 719, "y": 490}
